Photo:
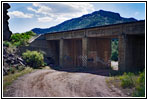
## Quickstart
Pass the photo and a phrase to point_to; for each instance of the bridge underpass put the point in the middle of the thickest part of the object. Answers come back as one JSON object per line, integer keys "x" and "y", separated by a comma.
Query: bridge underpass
{"x": 91, "y": 47}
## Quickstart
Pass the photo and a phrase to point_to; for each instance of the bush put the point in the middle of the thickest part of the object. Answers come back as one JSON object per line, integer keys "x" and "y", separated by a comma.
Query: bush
{"x": 19, "y": 39}
{"x": 127, "y": 80}
{"x": 140, "y": 87}
{"x": 33, "y": 58}
{"x": 7, "y": 43}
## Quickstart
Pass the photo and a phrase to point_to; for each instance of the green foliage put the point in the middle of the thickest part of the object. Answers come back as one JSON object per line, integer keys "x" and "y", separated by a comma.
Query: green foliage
{"x": 127, "y": 80}
{"x": 33, "y": 58}
{"x": 7, "y": 43}
{"x": 114, "y": 52}
{"x": 132, "y": 81}
{"x": 140, "y": 87}
{"x": 19, "y": 39}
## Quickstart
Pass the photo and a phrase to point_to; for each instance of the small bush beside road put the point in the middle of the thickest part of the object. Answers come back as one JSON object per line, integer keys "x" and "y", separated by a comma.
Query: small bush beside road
{"x": 34, "y": 59}
{"x": 132, "y": 84}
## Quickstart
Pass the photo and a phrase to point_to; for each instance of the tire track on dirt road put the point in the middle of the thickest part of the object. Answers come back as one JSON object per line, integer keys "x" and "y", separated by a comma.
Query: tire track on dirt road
{"x": 52, "y": 83}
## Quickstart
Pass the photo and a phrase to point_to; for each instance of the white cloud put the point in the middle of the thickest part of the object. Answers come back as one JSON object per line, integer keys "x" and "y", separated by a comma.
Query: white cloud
{"x": 43, "y": 9}
{"x": 31, "y": 9}
{"x": 61, "y": 11}
{"x": 45, "y": 19}
{"x": 20, "y": 14}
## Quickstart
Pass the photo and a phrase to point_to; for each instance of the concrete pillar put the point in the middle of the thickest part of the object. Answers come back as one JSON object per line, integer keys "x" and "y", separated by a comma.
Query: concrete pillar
{"x": 84, "y": 51}
{"x": 122, "y": 48}
{"x": 131, "y": 53}
{"x": 61, "y": 52}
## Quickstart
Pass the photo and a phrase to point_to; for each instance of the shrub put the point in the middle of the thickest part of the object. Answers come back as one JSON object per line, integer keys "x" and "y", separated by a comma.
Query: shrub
{"x": 140, "y": 87}
{"x": 7, "y": 43}
{"x": 127, "y": 80}
{"x": 19, "y": 39}
{"x": 33, "y": 58}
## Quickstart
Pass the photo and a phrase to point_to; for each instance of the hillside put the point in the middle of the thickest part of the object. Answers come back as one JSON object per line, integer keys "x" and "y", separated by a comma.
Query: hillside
{"x": 97, "y": 18}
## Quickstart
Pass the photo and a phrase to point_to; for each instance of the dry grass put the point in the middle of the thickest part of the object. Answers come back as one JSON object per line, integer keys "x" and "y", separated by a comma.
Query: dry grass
{"x": 116, "y": 81}
{"x": 8, "y": 79}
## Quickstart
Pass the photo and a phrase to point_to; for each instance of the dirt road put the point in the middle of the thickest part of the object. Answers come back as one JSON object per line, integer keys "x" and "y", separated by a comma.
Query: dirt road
{"x": 52, "y": 83}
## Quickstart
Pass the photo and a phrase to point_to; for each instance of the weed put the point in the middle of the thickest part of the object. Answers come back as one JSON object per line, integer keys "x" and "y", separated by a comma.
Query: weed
{"x": 127, "y": 80}
{"x": 140, "y": 87}
{"x": 8, "y": 79}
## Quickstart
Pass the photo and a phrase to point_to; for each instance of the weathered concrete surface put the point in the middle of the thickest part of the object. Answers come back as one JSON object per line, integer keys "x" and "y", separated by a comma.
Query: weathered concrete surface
{"x": 72, "y": 53}
{"x": 132, "y": 28}
{"x": 99, "y": 52}
{"x": 131, "y": 53}
{"x": 6, "y": 32}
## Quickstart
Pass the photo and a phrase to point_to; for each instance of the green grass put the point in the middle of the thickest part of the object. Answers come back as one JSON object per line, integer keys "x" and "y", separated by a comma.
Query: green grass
{"x": 8, "y": 79}
{"x": 126, "y": 81}
{"x": 140, "y": 87}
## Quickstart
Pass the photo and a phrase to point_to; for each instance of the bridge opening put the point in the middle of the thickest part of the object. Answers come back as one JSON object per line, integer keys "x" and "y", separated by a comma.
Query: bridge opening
{"x": 114, "y": 53}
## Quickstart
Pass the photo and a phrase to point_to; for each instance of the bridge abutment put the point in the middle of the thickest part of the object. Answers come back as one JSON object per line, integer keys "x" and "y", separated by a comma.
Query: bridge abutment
{"x": 131, "y": 52}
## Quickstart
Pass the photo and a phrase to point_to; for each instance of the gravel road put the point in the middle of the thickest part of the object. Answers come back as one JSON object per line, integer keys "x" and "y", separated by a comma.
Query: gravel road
{"x": 53, "y": 83}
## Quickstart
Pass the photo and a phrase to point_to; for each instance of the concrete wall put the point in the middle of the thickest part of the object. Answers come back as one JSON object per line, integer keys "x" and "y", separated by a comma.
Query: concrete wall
{"x": 87, "y": 52}
{"x": 99, "y": 52}
{"x": 72, "y": 53}
{"x": 132, "y": 53}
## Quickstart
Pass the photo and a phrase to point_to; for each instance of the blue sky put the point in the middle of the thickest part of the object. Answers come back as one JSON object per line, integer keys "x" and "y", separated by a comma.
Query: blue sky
{"x": 26, "y": 16}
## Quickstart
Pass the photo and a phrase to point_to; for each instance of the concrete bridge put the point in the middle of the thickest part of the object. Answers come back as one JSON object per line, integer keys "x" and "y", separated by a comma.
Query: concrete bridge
{"x": 91, "y": 47}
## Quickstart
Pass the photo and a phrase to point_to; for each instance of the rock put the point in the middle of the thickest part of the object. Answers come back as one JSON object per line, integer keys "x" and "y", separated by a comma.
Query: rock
{"x": 11, "y": 60}
{"x": 5, "y": 71}
{"x": 6, "y": 32}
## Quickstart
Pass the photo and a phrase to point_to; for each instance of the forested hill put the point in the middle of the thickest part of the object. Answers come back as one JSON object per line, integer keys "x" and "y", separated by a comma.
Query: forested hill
{"x": 97, "y": 18}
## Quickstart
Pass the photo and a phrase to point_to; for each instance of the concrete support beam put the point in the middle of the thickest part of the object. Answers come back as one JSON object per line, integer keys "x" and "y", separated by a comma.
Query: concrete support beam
{"x": 84, "y": 51}
{"x": 61, "y": 52}
{"x": 122, "y": 50}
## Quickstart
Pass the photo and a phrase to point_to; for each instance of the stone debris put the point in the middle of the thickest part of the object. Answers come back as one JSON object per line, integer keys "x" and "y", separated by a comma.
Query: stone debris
{"x": 11, "y": 60}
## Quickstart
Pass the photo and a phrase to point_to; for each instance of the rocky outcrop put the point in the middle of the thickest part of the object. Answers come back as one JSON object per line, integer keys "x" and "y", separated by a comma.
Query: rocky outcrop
{"x": 11, "y": 60}
{"x": 6, "y": 32}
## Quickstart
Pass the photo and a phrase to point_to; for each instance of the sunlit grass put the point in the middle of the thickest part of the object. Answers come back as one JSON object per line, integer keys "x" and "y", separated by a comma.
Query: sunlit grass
{"x": 8, "y": 79}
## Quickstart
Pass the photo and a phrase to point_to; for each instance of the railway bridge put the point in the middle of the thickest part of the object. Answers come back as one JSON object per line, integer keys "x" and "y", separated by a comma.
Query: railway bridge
{"x": 91, "y": 47}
